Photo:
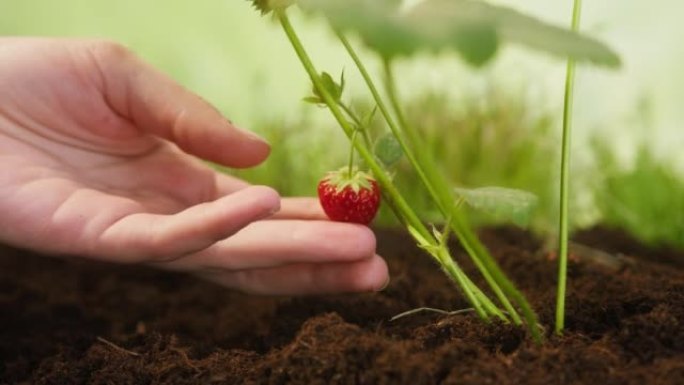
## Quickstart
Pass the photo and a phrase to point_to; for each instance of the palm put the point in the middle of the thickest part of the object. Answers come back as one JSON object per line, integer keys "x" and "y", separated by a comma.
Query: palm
{"x": 92, "y": 164}
{"x": 87, "y": 198}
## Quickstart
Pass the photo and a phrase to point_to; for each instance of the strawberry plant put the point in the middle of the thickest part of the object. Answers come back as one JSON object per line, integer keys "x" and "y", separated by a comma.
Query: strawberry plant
{"x": 565, "y": 181}
{"x": 473, "y": 29}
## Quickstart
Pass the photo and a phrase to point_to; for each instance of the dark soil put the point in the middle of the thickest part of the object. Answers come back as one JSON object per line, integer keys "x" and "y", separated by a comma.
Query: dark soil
{"x": 69, "y": 322}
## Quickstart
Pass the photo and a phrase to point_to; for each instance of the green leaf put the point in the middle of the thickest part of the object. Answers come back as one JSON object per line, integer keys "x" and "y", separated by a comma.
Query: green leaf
{"x": 368, "y": 119}
{"x": 333, "y": 88}
{"x": 471, "y": 27}
{"x": 313, "y": 100}
{"x": 423, "y": 243}
{"x": 388, "y": 150}
{"x": 375, "y": 20}
{"x": 342, "y": 83}
{"x": 515, "y": 27}
{"x": 500, "y": 202}
{"x": 477, "y": 44}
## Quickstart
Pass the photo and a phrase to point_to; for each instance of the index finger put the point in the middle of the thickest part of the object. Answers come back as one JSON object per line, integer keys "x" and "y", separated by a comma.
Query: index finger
{"x": 156, "y": 104}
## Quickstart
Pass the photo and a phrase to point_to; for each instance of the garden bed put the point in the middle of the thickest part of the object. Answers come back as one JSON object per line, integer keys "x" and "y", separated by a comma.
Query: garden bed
{"x": 83, "y": 322}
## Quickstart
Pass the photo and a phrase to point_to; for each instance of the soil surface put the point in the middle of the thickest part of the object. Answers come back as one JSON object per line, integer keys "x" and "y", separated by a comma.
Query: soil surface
{"x": 74, "y": 321}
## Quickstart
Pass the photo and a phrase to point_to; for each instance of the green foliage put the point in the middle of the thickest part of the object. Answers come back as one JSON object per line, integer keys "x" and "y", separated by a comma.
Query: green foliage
{"x": 646, "y": 200}
{"x": 502, "y": 203}
{"x": 471, "y": 27}
{"x": 495, "y": 139}
{"x": 388, "y": 150}
{"x": 334, "y": 88}
{"x": 504, "y": 143}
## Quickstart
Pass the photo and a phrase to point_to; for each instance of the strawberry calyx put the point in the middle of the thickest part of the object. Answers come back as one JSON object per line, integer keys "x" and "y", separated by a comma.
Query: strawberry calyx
{"x": 267, "y": 6}
{"x": 354, "y": 179}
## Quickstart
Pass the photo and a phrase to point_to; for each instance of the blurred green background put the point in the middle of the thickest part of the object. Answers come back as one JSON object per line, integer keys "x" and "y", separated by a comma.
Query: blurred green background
{"x": 494, "y": 126}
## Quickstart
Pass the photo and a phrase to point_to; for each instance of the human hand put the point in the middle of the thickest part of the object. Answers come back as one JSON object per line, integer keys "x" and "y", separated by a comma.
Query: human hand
{"x": 99, "y": 157}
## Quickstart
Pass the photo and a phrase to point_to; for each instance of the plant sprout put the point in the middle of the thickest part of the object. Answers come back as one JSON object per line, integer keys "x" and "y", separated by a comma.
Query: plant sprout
{"x": 565, "y": 180}
{"x": 475, "y": 30}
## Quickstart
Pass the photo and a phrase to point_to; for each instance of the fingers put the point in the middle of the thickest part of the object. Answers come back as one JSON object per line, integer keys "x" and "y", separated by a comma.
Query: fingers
{"x": 158, "y": 105}
{"x": 267, "y": 244}
{"x": 370, "y": 274}
{"x": 149, "y": 237}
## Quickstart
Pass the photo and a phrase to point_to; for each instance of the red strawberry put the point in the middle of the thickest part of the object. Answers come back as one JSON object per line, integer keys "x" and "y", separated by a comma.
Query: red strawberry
{"x": 349, "y": 198}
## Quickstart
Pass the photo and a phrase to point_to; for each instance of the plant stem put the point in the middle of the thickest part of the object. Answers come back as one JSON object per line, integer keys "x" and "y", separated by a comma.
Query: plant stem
{"x": 427, "y": 179}
{"x": 441, "y": 193}
{"x": 503, "y": 288}
{"x": 357, "y": 121}
{"x": 468, "y": 287}
{"x": 565, "y": 179}
{"x": 477, "y": 293}
{"x": 350, "y": 169}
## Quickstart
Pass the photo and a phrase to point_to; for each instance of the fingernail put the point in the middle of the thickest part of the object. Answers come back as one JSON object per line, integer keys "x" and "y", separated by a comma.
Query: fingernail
{"x": 268, "y": 214}
{"x": 384, "y": 286}
{"x": 254, "y": 136}
{"x": 274, "y": 211}
{"x": 249, "y": 134}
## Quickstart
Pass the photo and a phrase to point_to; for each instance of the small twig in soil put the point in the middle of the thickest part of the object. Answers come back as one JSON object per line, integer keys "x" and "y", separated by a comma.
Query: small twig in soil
{"x": 185, "y": 358}
{"x": 613, "y": 262}
{"x": 140, "y": 328}
{"x": 432, "y": 310}
{"x": 582, "y": 253}
{"x": 117, "y": 347}
{"x": 183, "y": 354}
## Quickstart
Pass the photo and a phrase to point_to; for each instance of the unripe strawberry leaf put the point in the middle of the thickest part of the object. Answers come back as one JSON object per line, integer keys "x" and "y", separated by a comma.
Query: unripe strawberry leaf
{"x": 388, "y": 150}
{"x": 313, "y": 100}
{"x": 500, "y": 202}
{"x": 333, "y": 88}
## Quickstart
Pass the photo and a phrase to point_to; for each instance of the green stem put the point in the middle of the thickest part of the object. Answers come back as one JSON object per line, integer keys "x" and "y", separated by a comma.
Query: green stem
{"x": 359, "y": 124}
{"x": 417, "y": 165}
{"x": 495, "y": 277}
{"x": 565, "y": 180}
{"x": 468, "y": 287}
{"x": 441, "y": 193}
{"x": 477, "y": 294}
{"x": 350, "y": 113}
{"x": 487, "y": 266}
{"x": 350, "y": 169}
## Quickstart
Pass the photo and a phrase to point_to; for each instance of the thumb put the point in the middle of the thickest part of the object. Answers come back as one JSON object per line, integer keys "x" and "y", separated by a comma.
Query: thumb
{"x": 156, "y": 104}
